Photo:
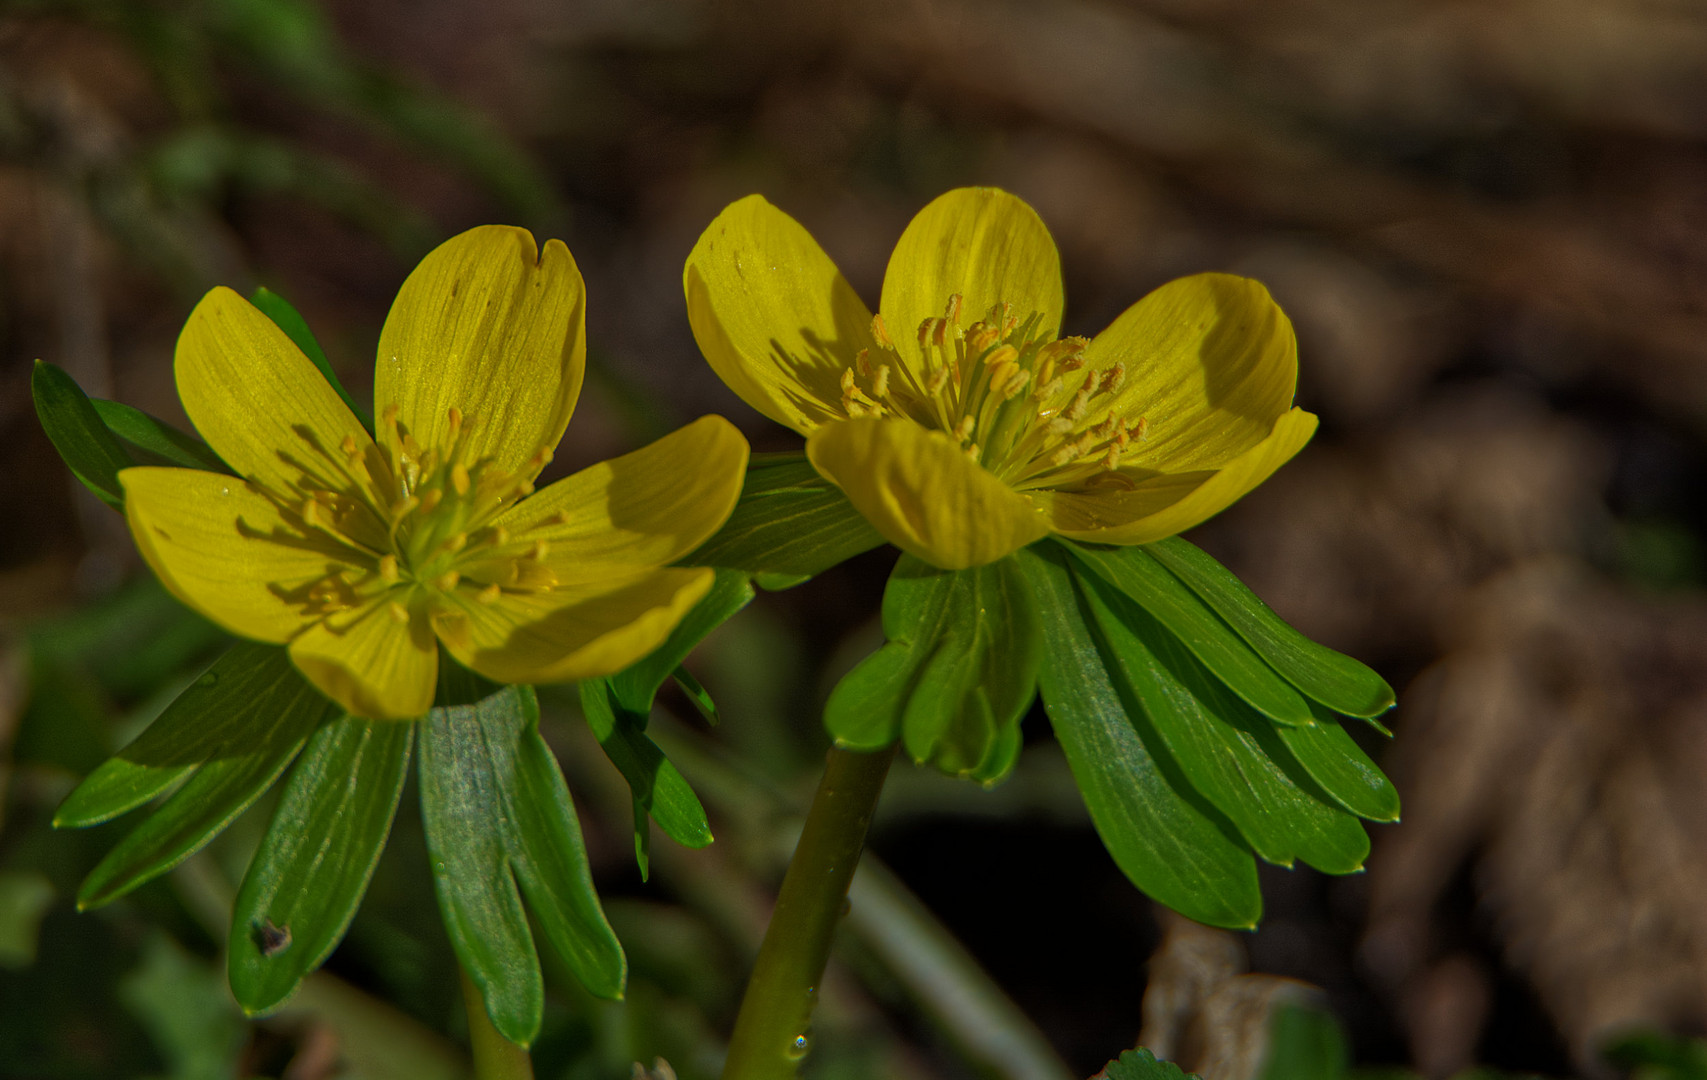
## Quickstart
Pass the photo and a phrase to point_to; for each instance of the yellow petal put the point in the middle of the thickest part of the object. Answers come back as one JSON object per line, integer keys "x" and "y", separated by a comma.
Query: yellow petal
{"x": 774, "y": 317}
{"x": 1211, "y": 363}
{"x": 224, "y": 549}
{"x": 262, "y": 405}
{"x": 647, "y": 508}
{"x": 983, "y": 244}
{"x": 493, "y": 327}
{"x": 919, "y": 489}
{"x": 1164, "y": 505}
{"x": 374, "y": 665}
{"x": 580, "y": 631}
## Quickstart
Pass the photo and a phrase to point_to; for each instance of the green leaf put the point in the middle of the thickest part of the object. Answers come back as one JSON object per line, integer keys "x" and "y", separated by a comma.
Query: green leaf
{"x": 956, "y": 676}
{"x": 308, "y": 876}
{"x": 1345, "y": 772}
{"x": 154, "y": 442}
{"x": 636, "y": 686}
{"x": 215, "y": 717}
{"x": 660, "y": 792}
{"x": 25, "y": 897}
{"x": 697, "y": 694}
{"x": 1231, "y": 755}
{"x": 789, "y": 525}
{"x": 1655, "y": 1055}
{"x": 1304, "y": 1043}
{"x": 497, "y": 812}
{"x": 286, "y": 318}
{"x": 1140, "y": 1064}
{"x": 89, "y": 450}
{"x": 551, "y": 862}
{"x": 1163, "y": 835}
{"x": 182, "y": 1004}
{"x": 1136, "y": 573}
{"x": 281, "y": 715}
{"x": 1334, "y": 679}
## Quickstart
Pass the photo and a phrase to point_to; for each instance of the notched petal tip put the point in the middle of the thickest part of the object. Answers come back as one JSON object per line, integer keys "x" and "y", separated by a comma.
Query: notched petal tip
{"x": 493, "y": 326}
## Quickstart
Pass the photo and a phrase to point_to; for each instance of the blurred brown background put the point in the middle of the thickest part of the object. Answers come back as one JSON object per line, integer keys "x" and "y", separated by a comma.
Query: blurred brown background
{"x": 1488, "y": 221}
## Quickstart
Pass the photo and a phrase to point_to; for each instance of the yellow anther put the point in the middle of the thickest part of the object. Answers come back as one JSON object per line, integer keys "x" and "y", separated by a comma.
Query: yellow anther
{"x": 524, "y": 488}
{"x": 1072, "y": 450}
{"x": 1071, "y": 363}
{"x": 1112, "y": 458}
{"x": 862, "y": 363}
{"x": 973, "y": 451}
{"x": 454, "y": 416}
{"x": 925, "y": 329}
{"x": 937, "y": 380}
{"x": 880, "y": 331}
{"x": 880, "y": 382}
{"x": 1107, "y": 427}
{"x": 389, "y": 416}
{"x": 446, "y": 581}
{"x": 456, "y": 543}
{"x": 459, "y": 478}
{"x": 981, "y": 337}
{"x": 311, "y": 510}
{"x": 399, "y": 613}
{"x": 1046, "y": 390}
{"x": 388, "y": 569}
{"x": 560, "y": 518}
{"x": 404, "y": 506}
{"x": 490, "y": 594}
{"x": 1061, "y": 425}
{"x": 1112, "y": 379}
{"x": 1000, "y": 375}
{"x": 431, "y": 499}
{"x": 1141, "y": 429}
{"x": 847, "y": 382}
{"x": 348, "y": 446}
{"x": 963, "y": 430}
{"x": 1001, "y": 354}
{"x": 500, "y": 536}
{"x": 952, "y": 312}
{"x": 541, "y": 458}
{"x": 539, "y": 550}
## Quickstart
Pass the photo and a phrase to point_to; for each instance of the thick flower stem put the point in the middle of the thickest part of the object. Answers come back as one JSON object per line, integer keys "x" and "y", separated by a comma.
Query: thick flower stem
{"x": 770, "y": 1036}
{"x": 495, "y": 1057}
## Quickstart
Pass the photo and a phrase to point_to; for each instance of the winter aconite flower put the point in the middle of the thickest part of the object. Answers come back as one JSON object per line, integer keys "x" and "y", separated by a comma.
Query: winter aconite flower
{"x": 957, "y": 420}
{"x": 364, "y": 553}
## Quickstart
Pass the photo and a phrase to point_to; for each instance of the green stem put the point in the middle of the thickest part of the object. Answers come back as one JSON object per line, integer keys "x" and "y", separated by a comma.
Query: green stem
{"x": 495, "y": 1057}
{"x": 770, "y": 1036}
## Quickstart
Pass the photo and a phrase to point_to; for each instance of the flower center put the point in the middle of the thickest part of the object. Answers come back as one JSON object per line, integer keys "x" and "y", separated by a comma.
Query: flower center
{"x": 1008, "y": 391}
{"x": 420, "y": 532}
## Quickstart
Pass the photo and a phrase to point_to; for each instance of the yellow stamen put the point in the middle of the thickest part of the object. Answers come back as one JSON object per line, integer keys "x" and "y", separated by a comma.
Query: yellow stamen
{"x": 880, "y": 331}
{"x": 490, "y": 594}
{"x": 459, "y": 478}
{"x": 446, "y": 581}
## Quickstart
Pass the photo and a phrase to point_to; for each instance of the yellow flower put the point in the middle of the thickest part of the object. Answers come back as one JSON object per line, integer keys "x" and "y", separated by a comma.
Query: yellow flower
{"x": 362, "y": 554}
{"x": 957, "y": 420}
